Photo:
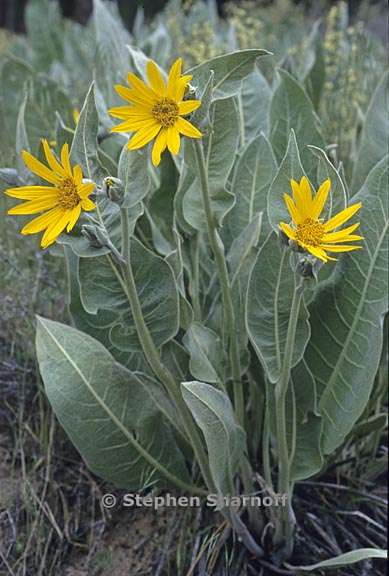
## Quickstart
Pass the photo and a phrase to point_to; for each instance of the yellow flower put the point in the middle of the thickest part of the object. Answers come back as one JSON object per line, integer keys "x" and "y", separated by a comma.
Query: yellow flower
{"x": 309, "y": 231}
{"x": 61, "y": 203}
{"x": 156, "y": 111}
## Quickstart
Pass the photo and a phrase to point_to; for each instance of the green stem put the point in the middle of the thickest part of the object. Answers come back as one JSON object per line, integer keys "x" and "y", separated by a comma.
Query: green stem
{"x": 285, "y": 529}
{"x": 228, "y": 307}
{"x": 152, "y": 355}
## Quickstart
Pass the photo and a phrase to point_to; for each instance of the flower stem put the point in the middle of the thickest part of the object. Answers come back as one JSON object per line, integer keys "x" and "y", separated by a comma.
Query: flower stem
{"x": 285, "y": 528}
{"x": 228, "y": 307}
{"x": 152, "y": 356}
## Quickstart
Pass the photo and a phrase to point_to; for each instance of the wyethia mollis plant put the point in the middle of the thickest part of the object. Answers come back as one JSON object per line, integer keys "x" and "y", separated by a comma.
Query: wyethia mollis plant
{"x": 226, "y": 308}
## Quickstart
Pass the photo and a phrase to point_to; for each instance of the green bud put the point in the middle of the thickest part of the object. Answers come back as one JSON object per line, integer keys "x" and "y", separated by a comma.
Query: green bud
{"x": 114, "y": 189}
{"x": 95, "y": 235}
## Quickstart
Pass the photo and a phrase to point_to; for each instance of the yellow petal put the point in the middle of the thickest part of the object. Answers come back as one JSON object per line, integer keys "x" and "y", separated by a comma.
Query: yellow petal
{"x": 320, "y": 199}
{"x": 305, "y": 190}
{"x": 74, "y": 216}
{"x": 174, "y": 76}
{"x": 143, "y": 136}
{"x": 32, "y": 192}
{"x": 292, "y": 209}
{"x": 159, "y": 146}
{"x": 173, "y": 140}
{"x": 39, "y": 169}
{"x": 318, "y": 253}
{"x": 339, "y": 247}
{"x": 84, "y": 190}
{"x": 155, "y": 78}
{"x": 77, "y": 174}
{"x": 144, "y": 91}
{"x": 55, "y": 228}
{"x": 34, "y": 206}
{"x": 51, "y": 160}
{"x": 187, "y": 129}
{"x": 340, "y": 218}
{"x": 188, "y": 106}
{"x": 65, "y": 159}
{"x": 298, "y": 198}
{"x": 127, "y": 112}
{"x": 87, "y": 205}
{"x": 288, "y": 230}
{"x": 132, "y": 125}
{"x": 132, "y": 96}
{"x": 336, "y": 236}
{"x": 42, "y": 221}
{"x": 179, "y": 89}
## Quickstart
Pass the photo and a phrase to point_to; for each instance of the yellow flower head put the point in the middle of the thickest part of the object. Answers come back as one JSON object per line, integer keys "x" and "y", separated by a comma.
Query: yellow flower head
{"x": 309, "y": 231}
{"x": 61, "y": 203}
{"x": 156, "y": 111}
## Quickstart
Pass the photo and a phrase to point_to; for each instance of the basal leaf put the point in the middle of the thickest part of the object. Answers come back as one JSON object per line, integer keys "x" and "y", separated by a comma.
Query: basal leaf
{"x": 213, "y": 413}
{"x": 105, "y": 410}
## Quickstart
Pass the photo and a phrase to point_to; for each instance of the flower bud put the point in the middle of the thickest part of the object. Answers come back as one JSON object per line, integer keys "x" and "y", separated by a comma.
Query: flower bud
{"x": 114, "y": 189}
{"x": 95, "y": 235}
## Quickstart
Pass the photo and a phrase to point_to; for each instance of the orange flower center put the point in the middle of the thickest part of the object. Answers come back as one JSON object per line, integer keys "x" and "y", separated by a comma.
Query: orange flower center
{"x": 310, "y": 232}
{"x": 68, "y": 197}
{"x": 165, "y": 112}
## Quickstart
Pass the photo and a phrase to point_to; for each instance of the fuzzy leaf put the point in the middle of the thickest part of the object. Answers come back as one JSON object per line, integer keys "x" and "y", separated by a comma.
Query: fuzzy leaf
{"x": 229, "y": 70}
{"x": 213, "y": 413}
{"x": 101, "y": 290}
{"x": 290, "y": 109}
{"x": 347, "y": 316}
{"x": 269, "y": 300}
{"x": 105, "y": 410}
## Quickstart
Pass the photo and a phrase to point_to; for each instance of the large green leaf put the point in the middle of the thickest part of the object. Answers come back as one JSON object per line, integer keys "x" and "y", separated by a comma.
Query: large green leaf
{"x": 96, "y": 325}
{"x": 289, "y": 168}
{"x": 84, "y": 145}
{"x": 229, "y": 70}
{"x": 269, "y": 300}
{"x": 102, "y": 290}
{"x": 337, "y": 199}
{"x": 375, "y": 134}
{"x": 105, "y": 410}
{"x": 207, "y": 357}
{"x": 255, "y": 97}
{"x": 347, "y": 317}
{"x": 133, "y": 171}
{"x": 112, "y": 59}
{"x": 253, "y": 174}
{"x": 290, "y": 109}
{"x": 219, "y": 150}
{"x": 213, "y": 413}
